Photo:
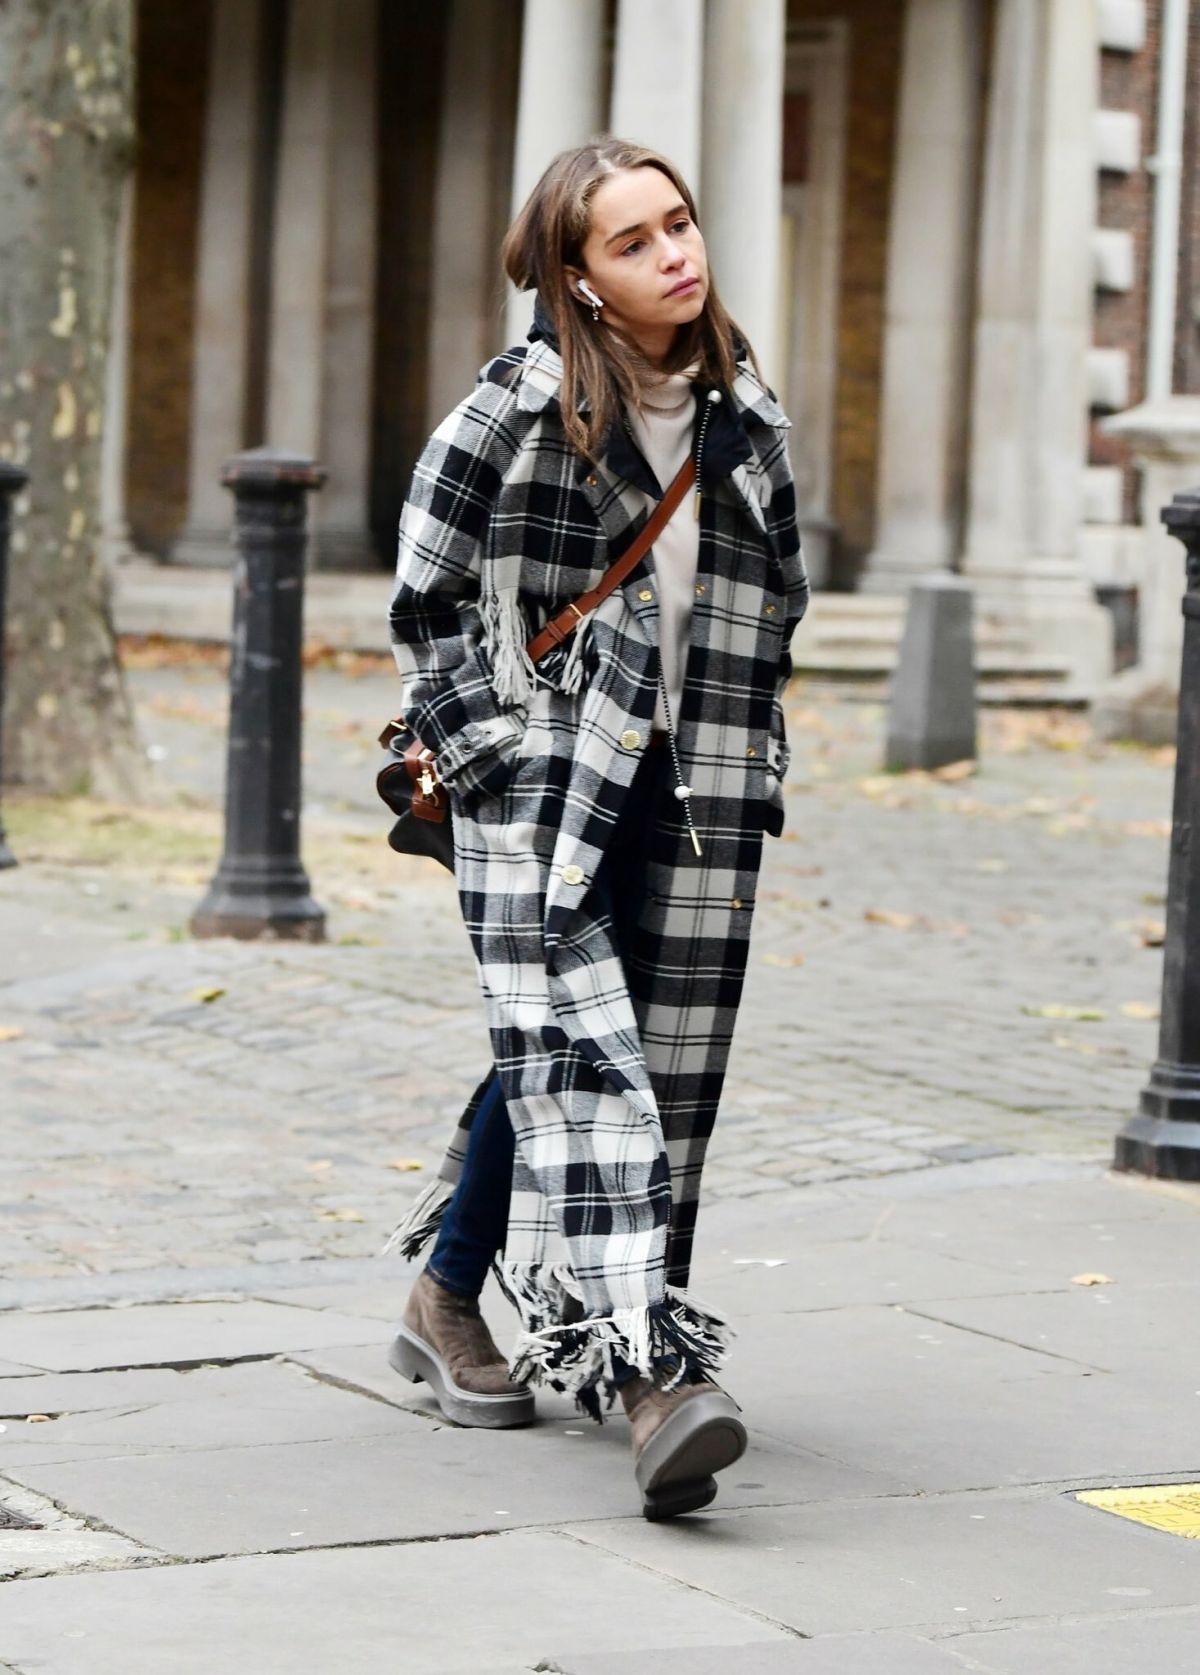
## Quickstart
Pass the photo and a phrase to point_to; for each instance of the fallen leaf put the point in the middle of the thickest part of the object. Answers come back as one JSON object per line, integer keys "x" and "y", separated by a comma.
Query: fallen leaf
{"x": 1090, "y": 1279}
{"x": 38, "y": 1418}
{"x": 783, "y": 959}
{"x": 404, "y": 1164}
{"x": 207, "y": 996}
{"x": 1142, "y": 1009}
{"x": 340, "y": 1215}
{"x": 11, "y": 1032}
{"x": 1147, "y": 828}
{"x": 1075, "y": 1014}
{"x": 1151, "y": 933}
{"x": 1069, "y": 1044}
{"x": 885, "y": 916}
{"x": 954, "y": 771}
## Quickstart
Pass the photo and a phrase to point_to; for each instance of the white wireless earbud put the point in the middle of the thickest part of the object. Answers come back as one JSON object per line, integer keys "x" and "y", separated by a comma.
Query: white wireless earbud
{"x": 586, "y": 290}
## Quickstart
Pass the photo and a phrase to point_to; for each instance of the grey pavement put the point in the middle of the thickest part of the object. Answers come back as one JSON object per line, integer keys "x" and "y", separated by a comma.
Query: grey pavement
{"x": 952, "y": 1318}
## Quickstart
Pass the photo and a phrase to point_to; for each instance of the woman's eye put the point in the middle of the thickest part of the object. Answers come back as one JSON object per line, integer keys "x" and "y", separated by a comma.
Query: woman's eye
{"x": 681, "y": 226}
{"x": 630, "y": 248}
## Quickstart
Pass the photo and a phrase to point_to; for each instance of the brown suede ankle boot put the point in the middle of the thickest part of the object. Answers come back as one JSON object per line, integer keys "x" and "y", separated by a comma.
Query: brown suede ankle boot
{"x": 680, "y": 1438}
{"x": 444, "y": 1341}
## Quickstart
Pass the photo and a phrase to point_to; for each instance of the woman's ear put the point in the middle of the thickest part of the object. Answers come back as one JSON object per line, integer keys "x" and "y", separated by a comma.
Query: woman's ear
{"x": 580, "y": 289}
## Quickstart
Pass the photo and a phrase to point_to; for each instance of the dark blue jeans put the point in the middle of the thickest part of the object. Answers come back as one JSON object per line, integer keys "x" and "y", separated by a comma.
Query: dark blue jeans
{"x": 475, "y": 1224}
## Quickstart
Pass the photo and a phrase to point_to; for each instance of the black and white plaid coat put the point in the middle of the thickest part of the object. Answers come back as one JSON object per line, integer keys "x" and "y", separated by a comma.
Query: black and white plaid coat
{"x": 611, "y": 1080}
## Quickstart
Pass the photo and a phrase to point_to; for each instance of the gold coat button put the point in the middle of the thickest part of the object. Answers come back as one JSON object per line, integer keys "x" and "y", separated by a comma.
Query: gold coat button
{"x": 572, "y": 874}
{"x": 631, "y": 739}
{"x": 752, "y": 751}
{"x": 700, "y": 588}
{"x": 592, "y": 480}
{"x": 736, "y": 902}
{"x": 645, "y": 593}
{"x": 770, "y": 610}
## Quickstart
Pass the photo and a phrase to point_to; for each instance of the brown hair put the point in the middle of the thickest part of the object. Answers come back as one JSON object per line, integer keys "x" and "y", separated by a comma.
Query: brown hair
{"x": 601, "y": 368}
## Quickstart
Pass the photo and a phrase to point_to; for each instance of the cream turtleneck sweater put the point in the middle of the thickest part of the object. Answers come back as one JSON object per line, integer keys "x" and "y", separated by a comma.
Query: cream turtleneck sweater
{"x": 663, "y": 430}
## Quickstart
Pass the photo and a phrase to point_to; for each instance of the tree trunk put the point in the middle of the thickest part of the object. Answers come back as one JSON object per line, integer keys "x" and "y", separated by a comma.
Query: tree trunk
{"x": 66, "y": 137}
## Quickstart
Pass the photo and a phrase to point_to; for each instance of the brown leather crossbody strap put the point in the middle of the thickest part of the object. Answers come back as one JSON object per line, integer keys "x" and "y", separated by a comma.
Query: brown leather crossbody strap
{"x": 557, "y": 629}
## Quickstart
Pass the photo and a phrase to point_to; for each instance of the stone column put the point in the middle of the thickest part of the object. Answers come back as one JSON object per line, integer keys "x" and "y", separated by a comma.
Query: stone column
{"x": 470, "y": 203}
{"x": 114, "y": 530}
{"x": 1032, "y": 333}
{"x": 221, "y": 336}
{"x": 926, "y": 357}
{"x": 323, "y": 267}
{"x": 741, "y": 164}
{"x": 560, "y": 103}
{"x": 657, "y": 75}
{"x": 1142, "y": 701}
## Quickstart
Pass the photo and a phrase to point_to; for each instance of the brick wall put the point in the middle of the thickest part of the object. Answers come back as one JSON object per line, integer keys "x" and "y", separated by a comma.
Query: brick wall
{"x": 874, "y": 61}
{"x": 1128, "y": 82}
{"x": 1187, "y": 339}
{"x": 171, "y": 71}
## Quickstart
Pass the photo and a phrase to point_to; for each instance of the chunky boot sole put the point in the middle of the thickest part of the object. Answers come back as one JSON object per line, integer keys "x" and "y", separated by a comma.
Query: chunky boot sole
{"x": 417, "y": 1361}
{"x": 675, "y": 1469}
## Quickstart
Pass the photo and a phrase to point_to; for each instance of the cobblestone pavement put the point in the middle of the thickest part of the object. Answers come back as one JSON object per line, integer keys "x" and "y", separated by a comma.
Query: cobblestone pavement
{"x": 943, "y": 972}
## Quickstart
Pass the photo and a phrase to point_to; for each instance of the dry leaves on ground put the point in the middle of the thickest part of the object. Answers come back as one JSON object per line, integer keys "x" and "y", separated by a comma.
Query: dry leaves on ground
{"x": 404, "y": 1164}
{"x": 1090, "y": 1279}
{"x": 206, "y": 996}
{"x": 772, "y": 958}
{"x": 11, "y": 1032}
{"x": 1140, "y": 1009}
{"x": 1073, "y": 1014}
{"x": 340, "y": 1215}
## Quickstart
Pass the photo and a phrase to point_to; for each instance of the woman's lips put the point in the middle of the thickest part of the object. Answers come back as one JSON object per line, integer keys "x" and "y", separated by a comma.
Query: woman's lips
{"x": 684, "y": 285}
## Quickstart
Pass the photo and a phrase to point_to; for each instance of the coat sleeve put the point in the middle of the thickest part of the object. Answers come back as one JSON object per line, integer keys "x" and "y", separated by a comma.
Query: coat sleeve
{"x": 785, "y": 534}
{"x": 448, "y": 697}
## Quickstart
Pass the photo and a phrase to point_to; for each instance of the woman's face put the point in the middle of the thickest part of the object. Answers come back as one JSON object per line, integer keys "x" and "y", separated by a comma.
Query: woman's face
{"x": 645, "y": 258}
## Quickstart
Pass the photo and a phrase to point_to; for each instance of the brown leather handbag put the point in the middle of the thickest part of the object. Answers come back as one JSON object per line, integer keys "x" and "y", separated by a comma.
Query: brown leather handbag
{"x": 408, "y": 782}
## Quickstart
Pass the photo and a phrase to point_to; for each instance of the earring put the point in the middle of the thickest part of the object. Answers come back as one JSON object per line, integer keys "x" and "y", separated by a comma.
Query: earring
{"x": 585, "y": 290}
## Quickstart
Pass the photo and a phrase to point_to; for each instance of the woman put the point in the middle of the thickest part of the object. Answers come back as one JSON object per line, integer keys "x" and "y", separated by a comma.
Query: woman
{"x": 609, "y": 807}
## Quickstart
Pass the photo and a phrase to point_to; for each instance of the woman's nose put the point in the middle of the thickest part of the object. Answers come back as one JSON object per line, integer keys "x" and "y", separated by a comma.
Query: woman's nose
{"x": 672, "y": 254}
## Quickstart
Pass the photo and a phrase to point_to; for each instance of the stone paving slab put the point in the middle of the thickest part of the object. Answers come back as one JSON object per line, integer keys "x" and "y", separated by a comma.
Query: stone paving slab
{"x": 1126, "y": 1646}
{"x": 489, "y": 1606}
{"x": 845, "y": 1274}
{"x": 158, "y": 1335}
{"x": 243, "y": 1406}
{"x": 849, "y": 1654}
{"x": 1145, "y": 1330}
{"x": 1084, "y": 1429}
{"x": 420, "y": 1480}
{"x": 54, "y": 1542}
{"x": 935, "y": 1563}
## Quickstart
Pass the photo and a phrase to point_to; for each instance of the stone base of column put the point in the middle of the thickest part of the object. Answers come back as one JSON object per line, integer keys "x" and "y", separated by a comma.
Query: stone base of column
{"x": 1137, "y": 705}
{"x": 345, "y": 548}
{"x": 204, "y": 546}
{"x": 1052, "y": 619}
{"x": 895, "y": 573}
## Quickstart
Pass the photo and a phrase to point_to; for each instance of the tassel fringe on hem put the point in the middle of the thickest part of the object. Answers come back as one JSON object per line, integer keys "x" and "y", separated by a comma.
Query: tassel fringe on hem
{"x": 575, "y": 1357}
{"x": 421, "y": 1222}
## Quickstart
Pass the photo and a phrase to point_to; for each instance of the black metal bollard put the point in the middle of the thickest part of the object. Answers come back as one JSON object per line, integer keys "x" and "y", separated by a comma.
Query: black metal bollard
{"x": 12, "y": 481}
{"x": 260, "y": 888}
{"x": 1164, "y": 1139}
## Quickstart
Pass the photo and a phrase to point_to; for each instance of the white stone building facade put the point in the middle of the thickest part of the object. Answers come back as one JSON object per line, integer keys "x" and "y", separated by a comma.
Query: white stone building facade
{"x": 901, "y": 203}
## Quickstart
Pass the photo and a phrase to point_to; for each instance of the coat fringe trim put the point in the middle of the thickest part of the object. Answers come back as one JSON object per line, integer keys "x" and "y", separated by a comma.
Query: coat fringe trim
{"x": 421, "y": 1221}
{"x": 513, "y": 674}
{"x": 571, "y": 680}
{"x": 576, "y": 1357}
